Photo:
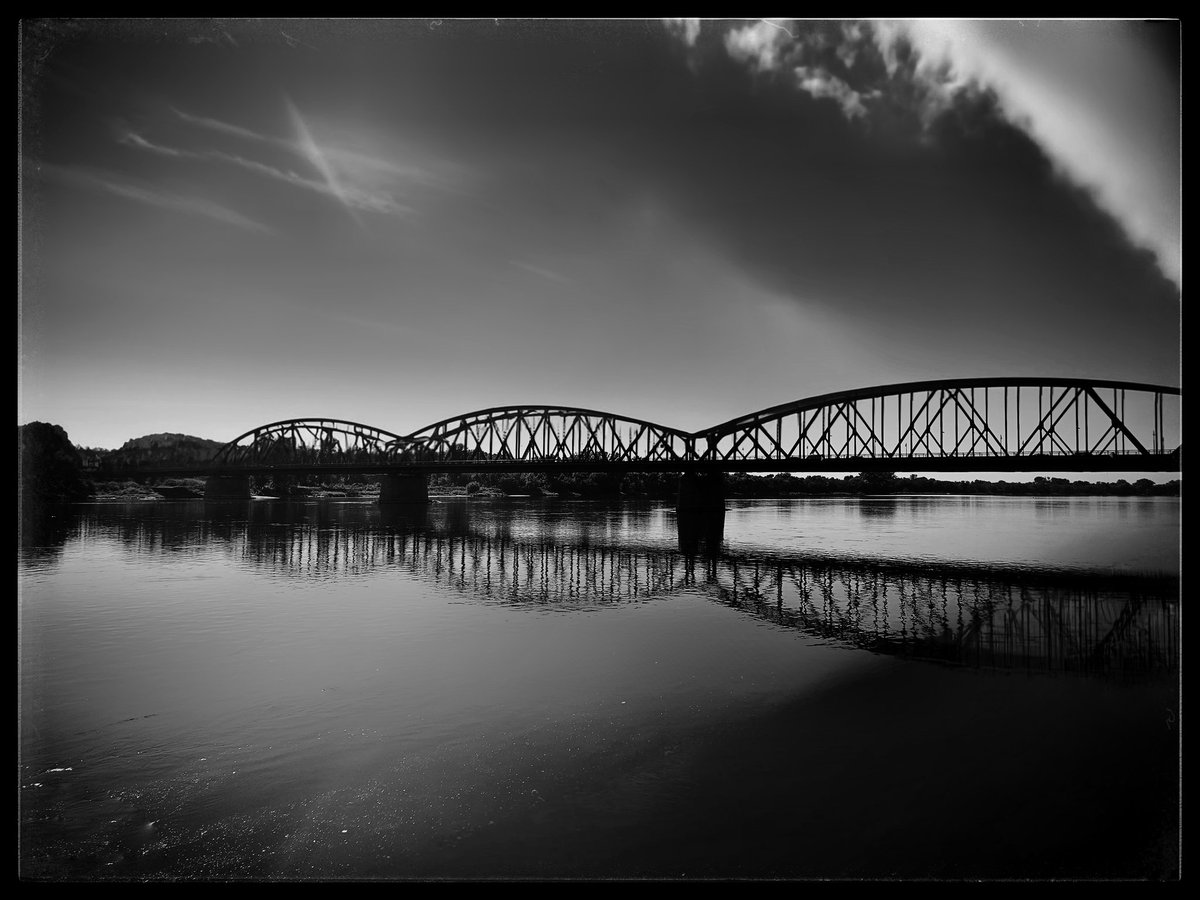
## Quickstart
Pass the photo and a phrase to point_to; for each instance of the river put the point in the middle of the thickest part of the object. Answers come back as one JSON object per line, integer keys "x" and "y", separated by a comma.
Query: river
{"x": 846, "y": 688}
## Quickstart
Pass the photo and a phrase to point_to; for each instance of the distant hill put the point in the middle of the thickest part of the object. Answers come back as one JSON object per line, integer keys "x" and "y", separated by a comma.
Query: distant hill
{"x": 159, "y": 449}
{"x": 176, "y": 442}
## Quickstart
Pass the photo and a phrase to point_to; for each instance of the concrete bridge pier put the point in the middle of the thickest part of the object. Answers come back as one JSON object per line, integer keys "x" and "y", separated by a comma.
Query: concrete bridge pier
{"x": 701, "y": 491}
{"x": 409, "y": 489}
{"x": 227, "y": 487}
{"x": 700, "y": 513}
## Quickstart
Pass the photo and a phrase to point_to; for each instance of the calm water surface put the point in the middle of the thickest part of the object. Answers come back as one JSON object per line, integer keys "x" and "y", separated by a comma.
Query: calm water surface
{"x": 834, "y": 688}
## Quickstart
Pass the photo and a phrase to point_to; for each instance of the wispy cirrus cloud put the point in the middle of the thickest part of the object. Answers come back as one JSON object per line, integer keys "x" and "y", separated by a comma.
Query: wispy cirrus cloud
{"x": 353, "y": 198}
{"x": 354, "y": 161}
{"x": 133, "y": 139}
{"x": 541, "y": 272}
{"x": 121, "y": 186}
{"x": 223, "y": 127}
{"x": 359, "y": 182}
{"x": 312, "y": 152}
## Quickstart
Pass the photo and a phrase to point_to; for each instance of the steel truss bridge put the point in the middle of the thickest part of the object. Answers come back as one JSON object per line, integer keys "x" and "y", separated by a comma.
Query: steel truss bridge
{"x": 981, "y": 424}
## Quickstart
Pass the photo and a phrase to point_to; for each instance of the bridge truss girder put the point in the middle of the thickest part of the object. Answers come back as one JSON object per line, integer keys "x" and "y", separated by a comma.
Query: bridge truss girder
{"x": 969, "y": 425}
{"x": 1059, "y": 424}
{"x": 524, "y": 435}
{"x": 323, "y": 443}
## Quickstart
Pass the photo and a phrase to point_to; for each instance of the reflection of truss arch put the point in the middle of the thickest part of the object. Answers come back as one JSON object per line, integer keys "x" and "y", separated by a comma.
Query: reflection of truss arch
{"x": 977, "y": 617}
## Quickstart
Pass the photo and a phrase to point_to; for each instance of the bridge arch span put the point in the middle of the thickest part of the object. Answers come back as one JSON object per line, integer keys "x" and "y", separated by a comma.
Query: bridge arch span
{"x": 1009, "y": 419}
{"x": 294, "y": 442}
{"x": 551, "y": 434}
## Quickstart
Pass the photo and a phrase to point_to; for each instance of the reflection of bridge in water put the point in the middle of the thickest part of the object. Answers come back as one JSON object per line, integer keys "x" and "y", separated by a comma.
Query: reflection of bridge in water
{"x": 1034, "y": 620}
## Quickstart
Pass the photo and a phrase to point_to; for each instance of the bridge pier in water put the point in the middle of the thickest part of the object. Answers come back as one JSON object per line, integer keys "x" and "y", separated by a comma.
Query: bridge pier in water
{"x": 406, "y": 489}
{"x": 701, "y": 491}
{"x": 700, "y": 512}
{"x": 227, "y": 487}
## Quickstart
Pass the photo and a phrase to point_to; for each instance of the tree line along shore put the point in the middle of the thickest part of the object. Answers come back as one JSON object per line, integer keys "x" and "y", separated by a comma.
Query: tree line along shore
{"x": 53, "y": 469}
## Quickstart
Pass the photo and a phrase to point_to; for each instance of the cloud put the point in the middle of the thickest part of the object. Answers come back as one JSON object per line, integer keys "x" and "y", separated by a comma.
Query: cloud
{"x": 820, "y": 84}
{"x": 223, "y": 127}
{"x": 848, "y": 48}
{"x": 687, "y": 30}
{"x": 150, "y": 196}
{"x": 295, "y": 42}
{"x": 810, "y": 52}
{"x": 364, "y": 181}
{"x": 352, "y": 161}
{"x": 1092, "y": 95}
{"x": 541, "y": 272}
{"x": 762, "y": 44}
{"x": 350, "y": 196}
{"x": 312, "y": 152}
{"x": 133, "y": 139}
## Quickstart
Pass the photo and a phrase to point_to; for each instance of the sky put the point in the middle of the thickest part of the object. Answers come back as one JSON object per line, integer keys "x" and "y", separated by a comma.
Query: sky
{"x": 226, "y": 223}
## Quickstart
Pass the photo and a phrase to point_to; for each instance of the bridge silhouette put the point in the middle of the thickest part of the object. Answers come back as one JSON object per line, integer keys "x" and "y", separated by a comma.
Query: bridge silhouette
{"x": 974, "y": 425}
